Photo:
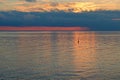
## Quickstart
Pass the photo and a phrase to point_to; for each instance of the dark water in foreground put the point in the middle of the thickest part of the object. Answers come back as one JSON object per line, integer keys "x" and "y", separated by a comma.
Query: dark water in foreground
{"x": 59, "y": 55}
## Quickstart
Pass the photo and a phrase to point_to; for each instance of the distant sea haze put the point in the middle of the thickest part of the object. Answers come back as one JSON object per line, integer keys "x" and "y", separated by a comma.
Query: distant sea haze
{"x": 28, "y": 28}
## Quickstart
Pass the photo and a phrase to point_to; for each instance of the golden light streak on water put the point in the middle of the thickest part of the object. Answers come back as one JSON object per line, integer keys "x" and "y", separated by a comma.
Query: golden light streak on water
{"x": 84, "y": 53}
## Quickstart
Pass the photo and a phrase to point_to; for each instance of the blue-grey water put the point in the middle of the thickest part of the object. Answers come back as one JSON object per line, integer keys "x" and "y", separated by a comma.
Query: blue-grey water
{"x": 58, "y": 55}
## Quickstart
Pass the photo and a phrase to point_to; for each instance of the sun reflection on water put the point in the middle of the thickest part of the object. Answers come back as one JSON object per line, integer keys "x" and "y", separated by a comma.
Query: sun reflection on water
{"x": 84, "y": 53}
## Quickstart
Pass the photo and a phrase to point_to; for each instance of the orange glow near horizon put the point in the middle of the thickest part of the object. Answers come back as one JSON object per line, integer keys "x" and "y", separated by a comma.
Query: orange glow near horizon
{"x": 43, "y": 28}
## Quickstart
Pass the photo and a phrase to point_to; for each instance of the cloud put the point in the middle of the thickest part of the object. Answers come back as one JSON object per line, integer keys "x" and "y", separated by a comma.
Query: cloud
{"x": 97, "y": 20}
{"x": 67, "y": 7}
{"x": 48, "y": 5}
{"x": 2, "y": 1}
{"x": 116, "y": 19}
{"x": 31, "y": 0}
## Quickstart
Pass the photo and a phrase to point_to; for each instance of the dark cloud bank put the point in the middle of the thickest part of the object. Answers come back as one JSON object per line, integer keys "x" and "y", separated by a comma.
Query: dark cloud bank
{"x": 30, "y": 0}
{"x": 97, "y": 20}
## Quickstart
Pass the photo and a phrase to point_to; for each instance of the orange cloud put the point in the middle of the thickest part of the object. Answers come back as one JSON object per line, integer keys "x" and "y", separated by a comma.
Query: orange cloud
{"x": 46, "y": 5}
{"x": 109, "y": 6}
{"x": 2, "y": 0}
{"x": 67, "y": 7}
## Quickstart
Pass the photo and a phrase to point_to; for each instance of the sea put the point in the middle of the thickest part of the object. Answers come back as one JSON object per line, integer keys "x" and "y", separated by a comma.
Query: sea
{"x": 59, "y": 55}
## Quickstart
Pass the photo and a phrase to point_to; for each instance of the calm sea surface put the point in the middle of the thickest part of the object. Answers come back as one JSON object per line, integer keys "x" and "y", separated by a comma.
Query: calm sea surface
{"x": 60, "y": 55}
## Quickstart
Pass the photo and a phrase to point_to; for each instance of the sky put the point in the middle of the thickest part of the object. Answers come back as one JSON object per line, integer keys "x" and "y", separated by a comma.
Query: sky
{"x": 94, "y": 14}
{"x": 64, "y": 5}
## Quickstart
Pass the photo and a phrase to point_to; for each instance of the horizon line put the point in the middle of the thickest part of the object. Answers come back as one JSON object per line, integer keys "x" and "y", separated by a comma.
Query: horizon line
{"x": 43, "y": 28}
